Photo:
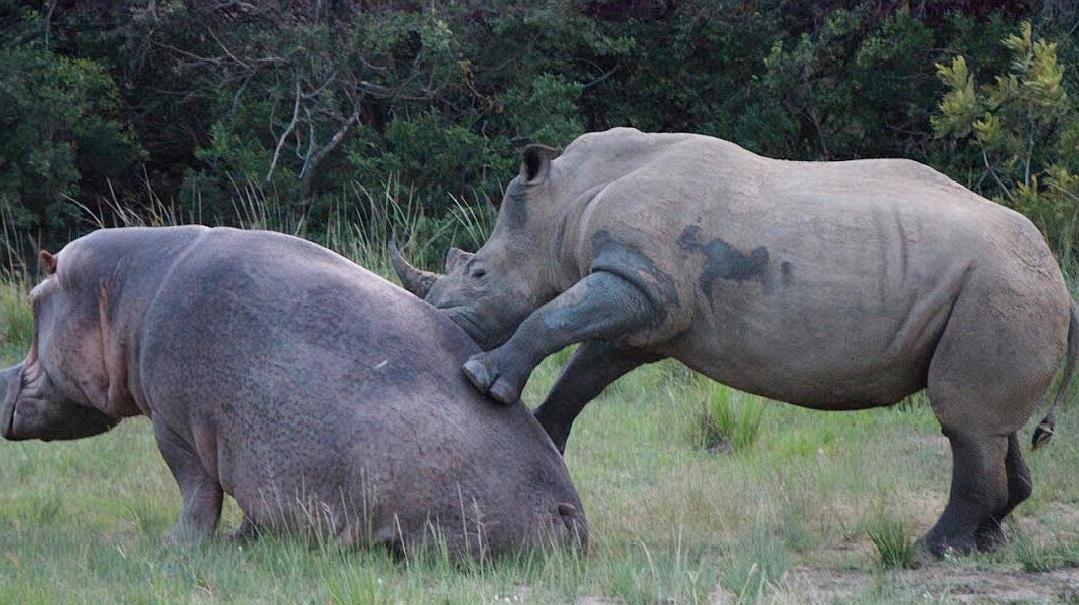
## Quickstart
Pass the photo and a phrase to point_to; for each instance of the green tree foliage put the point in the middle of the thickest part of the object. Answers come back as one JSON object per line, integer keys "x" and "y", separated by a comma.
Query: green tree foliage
{"x": 59, "y": 119}
{"x": 200, "y": 101}
{"x": 1025, "y": 129}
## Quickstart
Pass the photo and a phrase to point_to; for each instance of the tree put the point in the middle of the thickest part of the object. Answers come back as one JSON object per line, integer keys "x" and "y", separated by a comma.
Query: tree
{"x": 1025, "y": 130}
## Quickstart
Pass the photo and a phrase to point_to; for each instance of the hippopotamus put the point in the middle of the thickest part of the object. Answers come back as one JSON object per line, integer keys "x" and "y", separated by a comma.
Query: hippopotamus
{"x": 320, "y": 396}
{"x": 828, "y": 285}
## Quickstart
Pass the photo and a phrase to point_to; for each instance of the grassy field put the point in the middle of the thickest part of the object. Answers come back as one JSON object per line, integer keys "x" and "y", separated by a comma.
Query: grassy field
{"x": 695, "y": 494}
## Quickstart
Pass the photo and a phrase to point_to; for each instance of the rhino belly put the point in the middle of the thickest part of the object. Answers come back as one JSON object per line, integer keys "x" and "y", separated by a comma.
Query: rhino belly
{"x": 814, "y": 339}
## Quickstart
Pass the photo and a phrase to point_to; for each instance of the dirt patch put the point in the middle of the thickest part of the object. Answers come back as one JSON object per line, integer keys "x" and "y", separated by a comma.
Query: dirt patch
{"x": 936, "y": 584}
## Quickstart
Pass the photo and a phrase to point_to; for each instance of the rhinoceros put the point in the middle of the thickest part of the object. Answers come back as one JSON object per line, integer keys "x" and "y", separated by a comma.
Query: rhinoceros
{"x": 317, "y": 394}
{"x": 828, "y": 285}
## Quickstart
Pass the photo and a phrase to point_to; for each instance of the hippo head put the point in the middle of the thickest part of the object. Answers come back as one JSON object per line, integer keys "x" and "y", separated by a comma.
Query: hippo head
{"x": 60, "y": 389}
{"x": 491, "y": 292}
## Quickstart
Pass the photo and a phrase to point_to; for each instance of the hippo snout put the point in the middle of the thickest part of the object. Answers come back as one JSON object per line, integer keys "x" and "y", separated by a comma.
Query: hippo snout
{"x": 10, "y": 381}
{"x": 33, "y": 408}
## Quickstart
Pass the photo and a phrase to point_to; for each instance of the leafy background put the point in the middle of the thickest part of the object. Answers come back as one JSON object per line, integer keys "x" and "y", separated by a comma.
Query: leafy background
{"x": 194, "y": 104}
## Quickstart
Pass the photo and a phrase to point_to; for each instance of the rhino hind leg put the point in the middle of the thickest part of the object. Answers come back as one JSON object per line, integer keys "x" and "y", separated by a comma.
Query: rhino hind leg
{"x": 986, "y": 377}
{"x": 978, "y": 492}
{"x": 202, "y": 494}
{"x": 990, "y": 534}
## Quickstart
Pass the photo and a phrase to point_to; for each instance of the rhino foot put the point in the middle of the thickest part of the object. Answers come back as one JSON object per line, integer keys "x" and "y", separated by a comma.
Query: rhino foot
{"x": 990, "y": 536}
{"x": 488, "y": 377}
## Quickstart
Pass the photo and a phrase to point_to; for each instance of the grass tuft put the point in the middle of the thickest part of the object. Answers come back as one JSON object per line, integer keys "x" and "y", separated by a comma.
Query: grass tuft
{"x": 755, "y": 566}
{"x": 894, "y": 541}
{"x": 727, "y": 420}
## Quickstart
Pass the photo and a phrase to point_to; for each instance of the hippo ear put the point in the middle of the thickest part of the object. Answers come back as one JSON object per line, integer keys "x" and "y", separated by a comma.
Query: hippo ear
{"x": 456, "y": 257}
{"x": 536, "y": 162}
{"x": 46, "y": 261}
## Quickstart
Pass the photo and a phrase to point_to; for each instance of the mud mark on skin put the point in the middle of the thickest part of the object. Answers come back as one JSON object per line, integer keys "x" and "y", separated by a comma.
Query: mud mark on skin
{"x": 724, "y": 260}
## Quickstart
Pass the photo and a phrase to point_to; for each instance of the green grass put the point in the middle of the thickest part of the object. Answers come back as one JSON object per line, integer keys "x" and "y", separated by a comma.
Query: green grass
{"x": 671, "y": 521}
{"x": 727, "y": 421}
{"x": 894, "y": 541}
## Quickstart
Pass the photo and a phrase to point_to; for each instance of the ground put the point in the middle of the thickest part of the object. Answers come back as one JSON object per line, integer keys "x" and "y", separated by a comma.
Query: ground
{"x": 784, "y": 515}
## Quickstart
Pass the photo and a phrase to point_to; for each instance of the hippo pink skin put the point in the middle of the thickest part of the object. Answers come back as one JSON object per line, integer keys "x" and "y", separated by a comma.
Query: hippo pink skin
{"x": 317, "y": 394}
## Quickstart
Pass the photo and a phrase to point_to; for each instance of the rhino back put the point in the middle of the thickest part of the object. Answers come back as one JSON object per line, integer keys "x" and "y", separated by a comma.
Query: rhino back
{"x": 294, "y": 368}
{"x": 760, "y": 262}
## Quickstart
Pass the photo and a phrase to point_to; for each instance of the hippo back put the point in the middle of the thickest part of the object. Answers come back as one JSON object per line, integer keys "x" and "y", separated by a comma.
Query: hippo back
{"x": 319, "y": 392}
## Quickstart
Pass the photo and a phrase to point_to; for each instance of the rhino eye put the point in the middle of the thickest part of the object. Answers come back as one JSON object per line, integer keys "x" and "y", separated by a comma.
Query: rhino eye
{"x": 478, "y": 273}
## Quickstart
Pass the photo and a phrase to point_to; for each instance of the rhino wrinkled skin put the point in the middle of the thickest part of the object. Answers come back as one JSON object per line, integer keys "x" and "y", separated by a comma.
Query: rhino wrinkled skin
{"x": 317, "y": 394}
{"x": 829, "y": 285}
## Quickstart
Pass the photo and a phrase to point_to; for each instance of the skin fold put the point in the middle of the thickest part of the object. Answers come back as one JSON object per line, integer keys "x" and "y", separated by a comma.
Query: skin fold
{"x": 318, "y": 395}
{"x": 829, "y": 285}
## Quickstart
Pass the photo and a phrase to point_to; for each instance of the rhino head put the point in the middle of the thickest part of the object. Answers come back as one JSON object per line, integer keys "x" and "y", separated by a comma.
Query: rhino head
{"x": 489, "y": 293}
{"x": 60, "y": 390}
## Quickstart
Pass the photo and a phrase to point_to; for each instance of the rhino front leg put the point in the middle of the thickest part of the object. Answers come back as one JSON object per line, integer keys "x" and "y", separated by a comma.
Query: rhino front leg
{"x": 594, "y": 365}
{"x": 202, "y": 494}
{"x": 602, "y": 306}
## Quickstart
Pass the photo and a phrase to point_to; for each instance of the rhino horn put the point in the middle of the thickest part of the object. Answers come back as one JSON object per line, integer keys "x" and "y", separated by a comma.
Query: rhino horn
{"x": 416, "y": 281}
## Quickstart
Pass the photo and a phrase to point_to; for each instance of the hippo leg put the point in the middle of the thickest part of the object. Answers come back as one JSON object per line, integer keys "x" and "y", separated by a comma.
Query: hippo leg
{"x": 594, "y": 365}
{"x": 990, "y": 534}
{"x": 599, "y": 307}
{"x": 247, "y": 531}
{"x": 202, "y": 494}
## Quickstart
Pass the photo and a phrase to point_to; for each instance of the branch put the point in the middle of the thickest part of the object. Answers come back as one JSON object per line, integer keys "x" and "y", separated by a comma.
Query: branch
{"x": 993, "y": 173}
{"x": 284, "y": 135}
{"x": 314, "y": 157}
{"x": 48, "y": 20}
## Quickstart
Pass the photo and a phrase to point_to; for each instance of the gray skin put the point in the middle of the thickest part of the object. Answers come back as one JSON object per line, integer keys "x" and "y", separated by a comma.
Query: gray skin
{"x": 317, "y": 394}
{"x": 829, "y": 285}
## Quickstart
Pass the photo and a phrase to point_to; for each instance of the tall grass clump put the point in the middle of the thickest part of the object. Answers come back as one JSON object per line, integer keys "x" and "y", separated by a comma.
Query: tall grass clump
{"x": 726, "y": 420}
{"x": 754, "y": 566}
{"x": 16, "y": 321}
{"x": 894, "y": 541}
{"x": 1037, "y": 556}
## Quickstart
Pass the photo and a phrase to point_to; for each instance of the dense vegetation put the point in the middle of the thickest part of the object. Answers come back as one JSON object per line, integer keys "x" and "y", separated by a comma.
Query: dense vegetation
{"x": 195, "y": 104}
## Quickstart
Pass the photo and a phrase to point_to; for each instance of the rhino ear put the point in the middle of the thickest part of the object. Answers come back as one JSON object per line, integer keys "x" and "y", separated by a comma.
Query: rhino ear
{"x": 536, "y": 162}
{"x": 46, "y": 261}
{"x": 456, "y": 257}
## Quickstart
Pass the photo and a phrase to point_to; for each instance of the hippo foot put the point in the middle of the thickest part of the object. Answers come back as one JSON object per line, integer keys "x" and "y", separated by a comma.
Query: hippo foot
{"x": 246, "y": 532}
{"x": 182, "y": 536}
{"x": 496, "y": 379}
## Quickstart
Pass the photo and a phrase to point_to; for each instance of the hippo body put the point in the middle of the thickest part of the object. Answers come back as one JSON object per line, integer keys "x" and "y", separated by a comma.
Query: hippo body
{"x": 830, "y": 285}
{"x": 315, "y": 393}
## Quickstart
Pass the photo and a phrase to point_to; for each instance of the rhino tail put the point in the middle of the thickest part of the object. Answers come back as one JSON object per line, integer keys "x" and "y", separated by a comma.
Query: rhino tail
{"x": 1044, "y": 432}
